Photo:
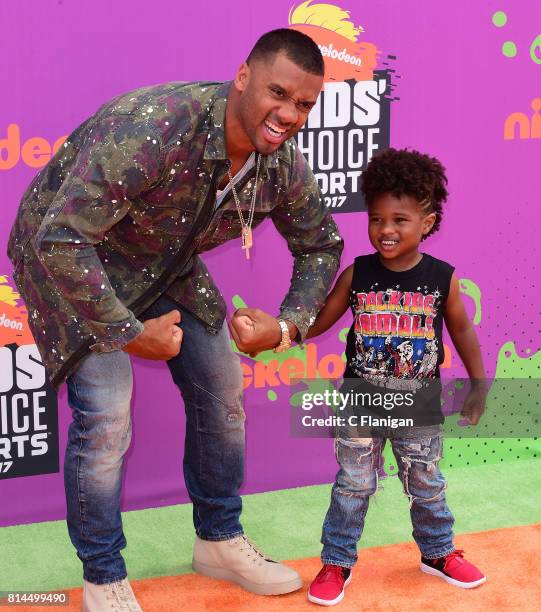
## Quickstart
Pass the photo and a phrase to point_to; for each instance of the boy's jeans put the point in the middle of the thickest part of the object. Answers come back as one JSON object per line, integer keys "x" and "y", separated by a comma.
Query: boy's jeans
{"x": 209, "y": 377}
{"x": 417, "y": 451}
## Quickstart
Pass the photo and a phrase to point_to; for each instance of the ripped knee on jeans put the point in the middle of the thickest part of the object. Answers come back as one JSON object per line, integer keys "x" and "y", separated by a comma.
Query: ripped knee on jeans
{"x": 358, "y": 474}
{"x": 219, "y": 414}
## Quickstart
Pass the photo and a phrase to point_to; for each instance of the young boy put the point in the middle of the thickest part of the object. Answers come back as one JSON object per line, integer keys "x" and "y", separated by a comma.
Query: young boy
{"x": 399, "y": 298}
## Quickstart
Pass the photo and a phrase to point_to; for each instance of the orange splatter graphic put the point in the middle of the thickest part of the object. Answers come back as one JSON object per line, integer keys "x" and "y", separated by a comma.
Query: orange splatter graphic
{"x": 344, "y": 59}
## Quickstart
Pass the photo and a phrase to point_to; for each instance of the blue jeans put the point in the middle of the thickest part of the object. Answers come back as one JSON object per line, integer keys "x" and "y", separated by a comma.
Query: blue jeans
{"x": 417, "y": 451}
{"x": 208, "y": 374}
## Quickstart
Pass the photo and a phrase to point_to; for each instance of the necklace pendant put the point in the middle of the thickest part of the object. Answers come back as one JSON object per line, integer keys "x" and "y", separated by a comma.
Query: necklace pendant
{"x": 247, "y": 240}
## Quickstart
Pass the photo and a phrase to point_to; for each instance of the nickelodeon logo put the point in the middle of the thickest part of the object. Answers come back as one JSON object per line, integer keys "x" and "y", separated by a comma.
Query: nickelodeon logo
{"x": 273, "y": 373}
{"x": 528, "y": 127}
{"x": 34, "y": 152}
{"x": 341, "y": 56}
{"x": 338, "y": 40}
{"x": 7, "y": 322}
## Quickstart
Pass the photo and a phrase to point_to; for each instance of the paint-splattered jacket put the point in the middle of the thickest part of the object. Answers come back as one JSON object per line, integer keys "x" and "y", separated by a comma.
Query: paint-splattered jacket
{"x": 101, "y": 230}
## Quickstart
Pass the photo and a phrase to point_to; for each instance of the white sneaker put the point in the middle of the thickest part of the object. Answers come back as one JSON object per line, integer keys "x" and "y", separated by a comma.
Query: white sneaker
{"x": 239, "y": 561}
{"x": 113, "y": 596}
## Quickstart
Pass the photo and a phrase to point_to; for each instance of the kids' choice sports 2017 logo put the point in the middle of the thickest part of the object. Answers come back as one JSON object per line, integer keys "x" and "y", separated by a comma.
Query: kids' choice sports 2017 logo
{"x": 352, "y": 116}
{"x": 28, "y": 406}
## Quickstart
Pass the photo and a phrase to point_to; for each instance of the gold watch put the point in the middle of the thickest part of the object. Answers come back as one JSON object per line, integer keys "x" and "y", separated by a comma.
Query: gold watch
{"x": 285, "y": 342}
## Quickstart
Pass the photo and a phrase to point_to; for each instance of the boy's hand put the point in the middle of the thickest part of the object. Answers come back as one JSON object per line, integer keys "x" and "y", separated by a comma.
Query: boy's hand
{"x": 474, "y": 404}
{"x": 465, "y": 340}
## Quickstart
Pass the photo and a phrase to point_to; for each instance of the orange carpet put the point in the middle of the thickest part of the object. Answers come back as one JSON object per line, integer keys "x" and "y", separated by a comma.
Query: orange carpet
{"x": 386, "y": 578}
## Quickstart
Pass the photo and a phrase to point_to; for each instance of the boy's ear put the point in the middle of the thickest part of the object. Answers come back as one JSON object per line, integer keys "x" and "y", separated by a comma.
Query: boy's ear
{"x": 428, "y": 223}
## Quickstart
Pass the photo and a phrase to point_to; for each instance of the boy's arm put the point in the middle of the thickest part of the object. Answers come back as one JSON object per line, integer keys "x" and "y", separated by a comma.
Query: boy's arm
{"x": 466, "y": 343}
{"x": 335, "y": 305}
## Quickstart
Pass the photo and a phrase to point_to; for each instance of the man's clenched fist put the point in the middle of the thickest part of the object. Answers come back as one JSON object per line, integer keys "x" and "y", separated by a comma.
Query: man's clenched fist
{"x": 254, "y": 330}
{"x": 160, "y": 340}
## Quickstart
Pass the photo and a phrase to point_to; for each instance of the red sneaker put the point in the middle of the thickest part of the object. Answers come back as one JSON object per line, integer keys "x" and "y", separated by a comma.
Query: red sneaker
{"x": 328, "y": 586}
{"x": 454, "y": 569}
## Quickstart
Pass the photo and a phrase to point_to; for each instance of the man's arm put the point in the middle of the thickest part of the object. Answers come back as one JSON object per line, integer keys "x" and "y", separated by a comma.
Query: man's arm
{"x": 313, "y": 240}
{"x": 249, "y": 322}
{"x": 117, "y": 161}
{"x": 316, "y": 246}
{"x": 336, "y": 304}
{"x": 466, "y": 343}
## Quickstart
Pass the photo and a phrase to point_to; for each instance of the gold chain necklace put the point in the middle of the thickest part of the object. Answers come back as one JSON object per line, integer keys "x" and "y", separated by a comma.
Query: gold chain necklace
{"x": 246, "y": 226}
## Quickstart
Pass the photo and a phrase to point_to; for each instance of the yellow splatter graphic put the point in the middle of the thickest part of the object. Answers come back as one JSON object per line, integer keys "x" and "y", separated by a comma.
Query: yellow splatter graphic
{"x": 7, "y": 294}
{"x": 325, "y": 16}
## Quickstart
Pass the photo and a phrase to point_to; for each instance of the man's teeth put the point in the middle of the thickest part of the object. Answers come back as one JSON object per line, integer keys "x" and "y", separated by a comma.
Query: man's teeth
{"x": 389, "y": 242}
{"x": 274, "y": 129}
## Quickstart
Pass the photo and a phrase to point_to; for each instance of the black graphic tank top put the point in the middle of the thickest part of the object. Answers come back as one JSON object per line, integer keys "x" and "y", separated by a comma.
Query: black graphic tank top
{"x": 396, "y": 337}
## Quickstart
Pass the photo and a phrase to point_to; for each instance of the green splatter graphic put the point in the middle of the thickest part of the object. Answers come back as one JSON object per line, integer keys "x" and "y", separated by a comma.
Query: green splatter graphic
{"x": 272, "y": 396}
{"x": 238, "y": 302}
{"x": 509, "y": 405}
{"x": 472, "y": 290}
{"x": 535, "y": 50}
{"x": 509, "y": 49}
{"x": 499, "y": 19}
{"x": 342, "y": 336}
{"x": 510, "y": 365}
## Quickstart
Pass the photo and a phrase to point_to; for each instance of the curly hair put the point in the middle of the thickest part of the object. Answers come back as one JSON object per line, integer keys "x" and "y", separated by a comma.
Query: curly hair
{"x": 402, "y": 172}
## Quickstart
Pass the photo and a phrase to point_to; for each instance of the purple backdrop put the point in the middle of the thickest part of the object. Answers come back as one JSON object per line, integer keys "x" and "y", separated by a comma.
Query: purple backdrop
{"x": 62, "y": 59}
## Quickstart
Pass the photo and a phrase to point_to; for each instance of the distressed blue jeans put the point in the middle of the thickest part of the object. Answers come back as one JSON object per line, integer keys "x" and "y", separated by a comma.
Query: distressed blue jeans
{"x": 208, "y": 375}
{"x": 417, "y": 451}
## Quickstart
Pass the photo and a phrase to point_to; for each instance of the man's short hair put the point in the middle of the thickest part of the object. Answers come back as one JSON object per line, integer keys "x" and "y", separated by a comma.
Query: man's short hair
{"x": 298, "y": 47}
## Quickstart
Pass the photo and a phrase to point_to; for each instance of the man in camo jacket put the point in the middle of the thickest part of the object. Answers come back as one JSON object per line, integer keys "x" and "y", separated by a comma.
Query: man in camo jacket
{"x": 106, "y": 249}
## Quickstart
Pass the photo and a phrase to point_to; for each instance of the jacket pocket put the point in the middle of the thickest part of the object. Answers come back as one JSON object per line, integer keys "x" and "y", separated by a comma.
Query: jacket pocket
{"x": 167, "y": 219}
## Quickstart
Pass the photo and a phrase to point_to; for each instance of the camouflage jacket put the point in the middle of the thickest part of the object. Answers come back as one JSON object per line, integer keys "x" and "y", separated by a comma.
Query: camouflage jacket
{"x": 103, "y": 229}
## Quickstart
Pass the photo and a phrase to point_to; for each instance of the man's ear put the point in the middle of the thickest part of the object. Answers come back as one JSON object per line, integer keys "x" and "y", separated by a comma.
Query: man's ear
{"x": 242, "y": 77}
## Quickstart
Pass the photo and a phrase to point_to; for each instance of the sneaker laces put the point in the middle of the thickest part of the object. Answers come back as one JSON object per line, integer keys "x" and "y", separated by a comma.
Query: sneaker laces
{"x": 456, "y": 555}
{"x": 329, "y": 573}
{"x": 122, "y": 595}
{"x": 246, "y": 545}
